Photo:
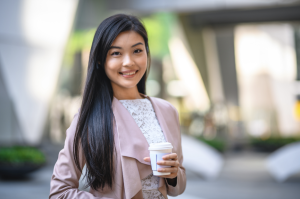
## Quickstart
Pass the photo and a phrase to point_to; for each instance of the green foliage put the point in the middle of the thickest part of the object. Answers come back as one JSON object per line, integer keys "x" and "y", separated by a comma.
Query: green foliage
{"x": 217, "y": 144}
{"x": 78, "y": 41}
{"x": 272, "y": 143}
{"x": 159, "y": 27}
{"x": 21, "y": 155}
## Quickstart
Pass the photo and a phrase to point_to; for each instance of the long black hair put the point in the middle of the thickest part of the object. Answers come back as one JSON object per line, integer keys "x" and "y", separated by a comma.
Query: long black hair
{"x": 94, "y": 131}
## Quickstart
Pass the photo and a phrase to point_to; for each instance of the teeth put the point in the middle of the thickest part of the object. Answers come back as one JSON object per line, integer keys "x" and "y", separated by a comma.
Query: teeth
{"x": 129, "y": 73}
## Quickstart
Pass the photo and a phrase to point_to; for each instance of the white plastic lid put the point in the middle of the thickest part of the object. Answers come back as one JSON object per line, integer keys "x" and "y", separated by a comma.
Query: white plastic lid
{"x": 160, "y": 146}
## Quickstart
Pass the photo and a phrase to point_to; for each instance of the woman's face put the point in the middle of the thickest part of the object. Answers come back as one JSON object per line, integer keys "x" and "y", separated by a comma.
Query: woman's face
{"x": 126, "y": 60}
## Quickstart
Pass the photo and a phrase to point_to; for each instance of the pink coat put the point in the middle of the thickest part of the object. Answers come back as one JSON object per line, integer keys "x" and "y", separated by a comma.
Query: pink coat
{"x": 131, "y": 147}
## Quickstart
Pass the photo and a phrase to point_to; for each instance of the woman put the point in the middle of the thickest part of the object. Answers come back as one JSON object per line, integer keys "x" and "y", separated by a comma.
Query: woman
{"x": 116, "y": 123}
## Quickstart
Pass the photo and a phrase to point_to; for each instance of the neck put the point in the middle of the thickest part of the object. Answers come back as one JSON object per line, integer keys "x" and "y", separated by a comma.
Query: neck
{"x": 123, "y": 94}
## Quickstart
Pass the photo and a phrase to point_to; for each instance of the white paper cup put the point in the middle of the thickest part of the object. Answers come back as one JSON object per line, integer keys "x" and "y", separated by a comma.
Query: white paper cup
{"x": 157, "y": 151}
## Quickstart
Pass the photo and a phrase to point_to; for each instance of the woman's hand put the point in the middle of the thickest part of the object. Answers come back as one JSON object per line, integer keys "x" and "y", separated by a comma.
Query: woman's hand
{"x": 168, "y": 160}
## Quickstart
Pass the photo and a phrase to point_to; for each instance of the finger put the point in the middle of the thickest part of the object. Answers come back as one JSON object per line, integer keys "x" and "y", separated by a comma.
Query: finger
{"x": 169, "y": 163}
{"x": 171, "y": 169}
{"x": 171, "y": 176}
{"x": 172, "y": 156}
{"x": 147, "y": 159}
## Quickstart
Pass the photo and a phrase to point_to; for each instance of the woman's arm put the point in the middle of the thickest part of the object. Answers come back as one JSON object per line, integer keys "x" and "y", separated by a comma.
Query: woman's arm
{"x": 65, "y": 178}
{"x": 176, "y": 186}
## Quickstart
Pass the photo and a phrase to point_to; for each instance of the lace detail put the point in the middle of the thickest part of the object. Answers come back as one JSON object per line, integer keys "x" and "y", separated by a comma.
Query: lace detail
{"x": 143, "y": 114}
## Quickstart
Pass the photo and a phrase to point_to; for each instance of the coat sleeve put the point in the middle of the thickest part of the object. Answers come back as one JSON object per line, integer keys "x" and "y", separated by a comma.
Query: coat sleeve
{"x": 177, "y": 185}
{"x": 65, "y": 178}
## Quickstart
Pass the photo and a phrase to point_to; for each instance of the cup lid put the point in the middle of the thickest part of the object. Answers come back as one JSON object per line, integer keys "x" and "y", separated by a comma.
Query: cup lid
{"x": 160, "y": 146}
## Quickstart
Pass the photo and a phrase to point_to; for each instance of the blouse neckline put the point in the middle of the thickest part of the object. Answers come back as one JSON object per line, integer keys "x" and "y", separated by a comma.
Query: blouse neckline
{"x": 146, "y": 97}
{"x": 133, "y": 99}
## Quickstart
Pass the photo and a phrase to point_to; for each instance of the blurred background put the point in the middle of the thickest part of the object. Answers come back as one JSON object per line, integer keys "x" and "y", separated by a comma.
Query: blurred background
{"x": 230, "y": 67}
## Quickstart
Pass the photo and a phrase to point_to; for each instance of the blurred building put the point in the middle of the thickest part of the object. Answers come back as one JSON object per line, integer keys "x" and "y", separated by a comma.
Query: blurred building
{"x": 205, "y": 72}
{"x": 33, "y": 35}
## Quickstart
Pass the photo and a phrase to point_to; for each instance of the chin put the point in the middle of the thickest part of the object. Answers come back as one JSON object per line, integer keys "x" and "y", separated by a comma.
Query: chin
{"x": 127, "y": 86}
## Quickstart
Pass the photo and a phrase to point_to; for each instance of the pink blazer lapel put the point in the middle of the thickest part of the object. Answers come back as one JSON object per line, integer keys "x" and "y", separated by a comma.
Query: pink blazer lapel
{"x": 133, "y": 145}
{"x": 166, "y": 120}
{"x": 160, "y": 118}
{"x": 132, "y": 141}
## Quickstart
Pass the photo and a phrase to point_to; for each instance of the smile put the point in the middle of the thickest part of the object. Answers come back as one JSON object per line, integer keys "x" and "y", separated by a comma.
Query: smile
{"x": 128, "y": 74}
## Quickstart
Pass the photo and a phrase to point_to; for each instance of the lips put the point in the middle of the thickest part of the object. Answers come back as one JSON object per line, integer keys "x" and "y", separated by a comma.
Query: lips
{"x": 128, "y": 74}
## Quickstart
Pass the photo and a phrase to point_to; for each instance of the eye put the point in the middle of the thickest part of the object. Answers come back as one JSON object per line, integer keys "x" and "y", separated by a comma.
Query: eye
{"x": 115, "y": 53}
{"x": 138, "y": 50}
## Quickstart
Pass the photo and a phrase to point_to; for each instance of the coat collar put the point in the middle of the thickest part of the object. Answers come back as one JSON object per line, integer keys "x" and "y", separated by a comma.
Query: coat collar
{"x": 133, "y": 144}
{"x": 160, "y": 118}
{"x": 132, "y": 141}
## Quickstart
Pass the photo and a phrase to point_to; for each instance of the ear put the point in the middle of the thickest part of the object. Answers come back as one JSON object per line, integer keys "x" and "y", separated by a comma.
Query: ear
{"x": 97, "y": 65}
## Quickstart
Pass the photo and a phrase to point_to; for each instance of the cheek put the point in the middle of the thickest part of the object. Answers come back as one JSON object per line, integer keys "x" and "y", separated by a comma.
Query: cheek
{"x": 111, "y": 68}
{"x": 142, "y": 62}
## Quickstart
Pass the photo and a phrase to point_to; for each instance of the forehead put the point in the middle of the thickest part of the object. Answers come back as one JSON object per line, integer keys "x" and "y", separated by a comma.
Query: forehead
{"x": 127, "y": 38}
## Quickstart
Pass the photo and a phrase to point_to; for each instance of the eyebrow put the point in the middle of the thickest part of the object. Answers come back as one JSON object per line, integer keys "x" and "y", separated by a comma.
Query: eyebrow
{"x": 140, "y": 43}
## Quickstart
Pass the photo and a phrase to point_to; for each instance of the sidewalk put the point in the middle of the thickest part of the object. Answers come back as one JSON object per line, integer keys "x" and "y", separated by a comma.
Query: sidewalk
{"x": 243, "y": 177}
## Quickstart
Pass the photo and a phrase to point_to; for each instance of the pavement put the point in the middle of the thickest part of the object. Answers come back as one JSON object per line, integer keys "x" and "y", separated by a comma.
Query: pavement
{"x": 243, "y": 176}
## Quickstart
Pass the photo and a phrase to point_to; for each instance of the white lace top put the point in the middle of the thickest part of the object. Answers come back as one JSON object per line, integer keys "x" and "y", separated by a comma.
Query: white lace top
{"x": 144, "y": 115}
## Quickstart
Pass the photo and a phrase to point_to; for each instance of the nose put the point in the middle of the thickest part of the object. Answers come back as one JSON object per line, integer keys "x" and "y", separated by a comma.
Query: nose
{"x": 128, "y": 61}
